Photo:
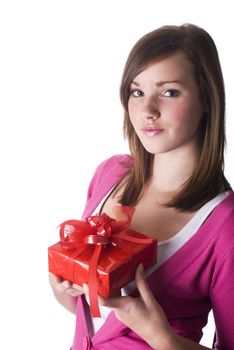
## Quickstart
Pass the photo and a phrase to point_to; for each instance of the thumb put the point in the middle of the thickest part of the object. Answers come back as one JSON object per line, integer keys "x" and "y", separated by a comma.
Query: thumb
{"x": 143, "y": 287}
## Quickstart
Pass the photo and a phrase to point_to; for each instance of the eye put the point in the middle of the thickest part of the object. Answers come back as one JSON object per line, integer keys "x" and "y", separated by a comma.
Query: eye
{"x": 171, "y": 93}
{"x": 136, "y": 93}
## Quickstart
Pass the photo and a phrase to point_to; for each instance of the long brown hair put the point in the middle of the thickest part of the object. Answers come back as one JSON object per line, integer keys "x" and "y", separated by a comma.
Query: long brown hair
{"x": 207, "y": 179}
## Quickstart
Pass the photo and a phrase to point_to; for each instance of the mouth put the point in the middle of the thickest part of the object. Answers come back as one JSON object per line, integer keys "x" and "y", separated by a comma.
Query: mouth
{"x": 151, "y": 131}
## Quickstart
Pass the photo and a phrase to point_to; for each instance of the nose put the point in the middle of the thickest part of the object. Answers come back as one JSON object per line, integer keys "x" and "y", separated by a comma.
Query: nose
{"x": 150, "y": 109}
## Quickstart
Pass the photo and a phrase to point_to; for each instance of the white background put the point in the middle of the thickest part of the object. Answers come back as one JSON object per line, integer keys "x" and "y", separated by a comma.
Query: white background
{"x": 60, "y": 69}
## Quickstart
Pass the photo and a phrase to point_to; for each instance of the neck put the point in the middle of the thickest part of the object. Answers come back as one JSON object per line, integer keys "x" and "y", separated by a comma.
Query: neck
{"x": 171, "y": 170}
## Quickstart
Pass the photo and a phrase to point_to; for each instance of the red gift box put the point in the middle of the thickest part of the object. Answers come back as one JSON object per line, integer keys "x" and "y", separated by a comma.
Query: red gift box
{"x": 102, "y": 252}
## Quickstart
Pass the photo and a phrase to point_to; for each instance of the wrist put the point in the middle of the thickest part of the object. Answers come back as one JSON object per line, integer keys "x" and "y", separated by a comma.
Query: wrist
{"x": 165, "y": 341}
{"x": 176, "y": 342}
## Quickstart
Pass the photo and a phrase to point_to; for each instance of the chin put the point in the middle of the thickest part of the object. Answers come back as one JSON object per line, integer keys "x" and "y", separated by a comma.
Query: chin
{"x": 153, "y": 150}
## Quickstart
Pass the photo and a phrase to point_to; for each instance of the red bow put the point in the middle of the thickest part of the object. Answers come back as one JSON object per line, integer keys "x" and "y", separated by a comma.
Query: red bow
{"x": 98, "y": 230}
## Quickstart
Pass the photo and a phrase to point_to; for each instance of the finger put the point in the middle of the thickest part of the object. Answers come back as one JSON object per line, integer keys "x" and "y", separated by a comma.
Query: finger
{"x": 143, "y": 287}
{"x": 86, "y": 288}
{"x": 78, "y": 289}
{"x": 114, "y": 302}
{"x": 54, "y": 278}
{"x": 76, "y": 286}
{"x": 74, "y": 292}
{"x": 63, "y": 286}
{"x": 55, "y": 282}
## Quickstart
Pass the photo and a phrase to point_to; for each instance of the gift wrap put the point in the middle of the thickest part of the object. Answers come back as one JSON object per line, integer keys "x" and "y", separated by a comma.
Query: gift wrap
{"x": 102, "y": 252}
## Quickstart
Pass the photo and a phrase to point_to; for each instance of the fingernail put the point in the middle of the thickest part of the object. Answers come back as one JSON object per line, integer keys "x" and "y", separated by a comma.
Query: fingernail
{"x": 141, "y": 268}
{"x": 66, "y": 284}
{"x": 76, "y": 286}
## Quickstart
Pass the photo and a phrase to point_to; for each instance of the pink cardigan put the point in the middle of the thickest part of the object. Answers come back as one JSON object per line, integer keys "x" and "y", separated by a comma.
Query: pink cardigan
{"x": 197, "y": 278}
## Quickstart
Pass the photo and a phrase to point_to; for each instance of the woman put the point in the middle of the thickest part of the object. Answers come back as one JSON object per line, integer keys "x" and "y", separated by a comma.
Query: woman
{"x": 173, "y": 96}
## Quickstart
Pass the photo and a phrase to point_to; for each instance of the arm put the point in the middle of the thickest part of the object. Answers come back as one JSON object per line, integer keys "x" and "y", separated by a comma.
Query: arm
{"x": 222, "y": 299}
{"x": 146, "y": 318}
{"x": 65, "y": 292}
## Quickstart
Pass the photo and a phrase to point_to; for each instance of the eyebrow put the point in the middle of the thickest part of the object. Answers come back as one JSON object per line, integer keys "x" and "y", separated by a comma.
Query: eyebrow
{"x": 162, "y": 82}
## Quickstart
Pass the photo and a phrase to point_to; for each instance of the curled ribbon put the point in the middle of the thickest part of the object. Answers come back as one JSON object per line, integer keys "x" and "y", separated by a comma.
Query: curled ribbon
{"x": 99, "y": 231}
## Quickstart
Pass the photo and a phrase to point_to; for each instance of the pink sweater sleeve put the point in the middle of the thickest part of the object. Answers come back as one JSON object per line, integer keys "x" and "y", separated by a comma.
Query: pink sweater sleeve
{"x": 222, "y": 299}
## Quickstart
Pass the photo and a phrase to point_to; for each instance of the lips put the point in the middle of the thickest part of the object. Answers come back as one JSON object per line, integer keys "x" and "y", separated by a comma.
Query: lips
{"x": 151, "y": 131}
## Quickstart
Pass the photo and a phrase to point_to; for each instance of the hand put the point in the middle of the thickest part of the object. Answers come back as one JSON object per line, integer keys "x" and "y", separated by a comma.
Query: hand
{"x": 66, "y": 292}
{"x": 143, "y": 315}
{"x": 60, "y": 285}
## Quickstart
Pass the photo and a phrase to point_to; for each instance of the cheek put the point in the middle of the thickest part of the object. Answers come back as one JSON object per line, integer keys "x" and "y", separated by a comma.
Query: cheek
{"x": 177, "y": 118}
{"x": 186, "y": 117}
{"x": 130, "y": 108}
{"x": 132, "y": 111}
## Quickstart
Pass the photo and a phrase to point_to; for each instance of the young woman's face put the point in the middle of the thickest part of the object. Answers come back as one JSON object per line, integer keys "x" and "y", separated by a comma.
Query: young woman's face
{"x": 164, "y": 105}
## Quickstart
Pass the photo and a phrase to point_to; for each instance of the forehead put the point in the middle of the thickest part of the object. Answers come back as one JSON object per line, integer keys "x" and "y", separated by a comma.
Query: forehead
{"x": 176, "y": 67}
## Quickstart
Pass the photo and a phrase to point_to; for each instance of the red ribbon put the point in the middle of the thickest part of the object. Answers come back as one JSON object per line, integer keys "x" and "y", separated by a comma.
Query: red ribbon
{"x": 99, "y": 230}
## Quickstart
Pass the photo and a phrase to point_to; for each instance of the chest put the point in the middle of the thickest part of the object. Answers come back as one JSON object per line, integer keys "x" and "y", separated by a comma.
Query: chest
{"x": 151, "y": 218}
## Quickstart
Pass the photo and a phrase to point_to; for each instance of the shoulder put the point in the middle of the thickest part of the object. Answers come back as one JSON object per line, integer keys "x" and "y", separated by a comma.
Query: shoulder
{"x": 225, "y": 211}
{"x": 109, "y": 171}
{"x": 116, "y": 164}
{"x": 223, "y": 224}
{"x": 117, "y": 160}
{"x": 107, "y": 174}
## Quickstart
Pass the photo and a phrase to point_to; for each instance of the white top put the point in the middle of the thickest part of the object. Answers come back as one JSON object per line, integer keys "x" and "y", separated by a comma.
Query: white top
{"x": 165, "y": 249}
